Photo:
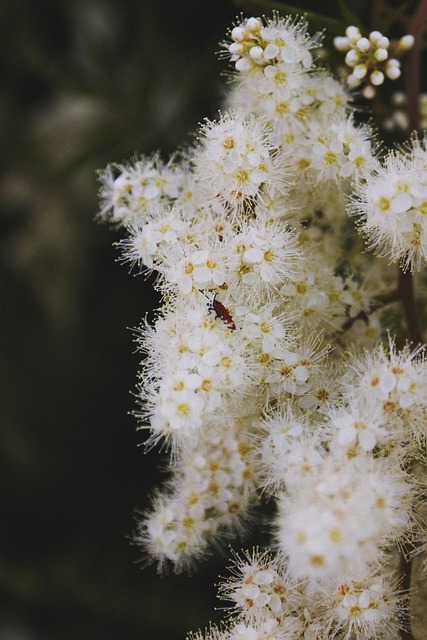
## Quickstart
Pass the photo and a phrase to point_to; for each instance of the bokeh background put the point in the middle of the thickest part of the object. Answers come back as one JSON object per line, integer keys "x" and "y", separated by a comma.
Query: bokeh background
{"x": 84, "y": 83}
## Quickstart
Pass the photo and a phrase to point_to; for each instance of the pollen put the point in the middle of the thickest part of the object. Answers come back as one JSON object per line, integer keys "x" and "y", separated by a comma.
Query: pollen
{"x": 280, "y": 78}
{"x": 303, "y": 164}
{"x": 384, "y": 204}
{"x": 322, "y": 395}
{"x": 282, "y": 108}
{"x": 330, "y": 157}
{"x": 183, "y": 409}
{"x": 242, "y": 176}
{"x": 397, "y": 370}
{"x": 301, "y": 288}
{"x": 264, "y": 327}
{"x": 287, "y": 371}
{"x": 300, "y": 537}
{"x": 335, "y": 535}
{"x": 226, "y": 362}
{"x": 228, "y": 143}
{"x": 269, "y": 256}
{"x": 206, "y": 385}
{"x": 233, "y": 507}
{"x": 188, "y": 523}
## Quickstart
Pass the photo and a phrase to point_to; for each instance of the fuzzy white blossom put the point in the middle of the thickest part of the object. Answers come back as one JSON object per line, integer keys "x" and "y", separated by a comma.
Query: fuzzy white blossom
{"x": 263, "y": 374}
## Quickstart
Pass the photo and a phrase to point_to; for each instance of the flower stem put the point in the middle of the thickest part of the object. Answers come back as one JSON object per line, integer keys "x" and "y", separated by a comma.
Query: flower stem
{"x": 415, "y": 25}
{"x": 407, "y": 298}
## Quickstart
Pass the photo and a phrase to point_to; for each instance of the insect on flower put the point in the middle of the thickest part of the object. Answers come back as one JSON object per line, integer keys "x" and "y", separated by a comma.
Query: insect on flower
{"x": 221, "y": 312}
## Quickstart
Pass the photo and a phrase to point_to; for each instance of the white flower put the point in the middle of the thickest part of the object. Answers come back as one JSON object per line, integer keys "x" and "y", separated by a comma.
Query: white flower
{"x": 130, "y": 190}
{"x": 236, "y": 159}
{"x": 257, "y": 42}
{"x": 368, "y": 608}
{"x": 196, "y": 269}
{"x": 360, "y": 424}
{"x": 151, "y": 241}
{"x": 263, "y": 327}
{"x": 262, "y": 257}
{"x": 397, "y": 382}
{"x": 260, "y": 586}
{"x": 336, "y": 521}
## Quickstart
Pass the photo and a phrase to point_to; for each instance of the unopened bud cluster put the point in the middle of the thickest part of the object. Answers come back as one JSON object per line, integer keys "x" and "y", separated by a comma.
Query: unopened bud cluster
{"x": 255, "y": 44}
{"x": 398, "y": 119}
{"x": 371, "y": 58}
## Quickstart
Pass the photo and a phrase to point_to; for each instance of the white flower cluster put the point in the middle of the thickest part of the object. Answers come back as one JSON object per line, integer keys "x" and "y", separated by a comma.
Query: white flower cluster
{"x": 269, "y": 603}
{"x": 213, "y": 486}
{"x": 369, "y": 59}
{"x": 391, "y": 206}
{"x": 249, "y": 376}
{"x": 270, "y": 45}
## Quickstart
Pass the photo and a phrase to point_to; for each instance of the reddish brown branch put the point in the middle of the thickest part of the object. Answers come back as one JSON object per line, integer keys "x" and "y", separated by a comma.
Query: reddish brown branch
{"x": 407, "y": 298}
{"x": 416, "y": 26}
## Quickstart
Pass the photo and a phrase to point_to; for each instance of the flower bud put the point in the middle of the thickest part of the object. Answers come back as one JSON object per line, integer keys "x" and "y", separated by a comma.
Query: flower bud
{"x": 341, "y": 43}
{"x": 235, "y": 48}
{"x": 237, "y": 34}
{"x": 393, "y": 70}
{"x": 369, "y": 92}
{"x": 360, "y": 71}
{"x": 352, "y": 58}
{"x": 363, "y": 45}
{"x": 381, "y": 54}
{"x": 243, "y": 64}
{"x": 377, "y": 78}
{"x": 353, "y": 33}
{"x": 253, "y": 25}
{"x": 406, "y": 42}
{"x": 375, "y": 36}
{"x": 256, "y": 53}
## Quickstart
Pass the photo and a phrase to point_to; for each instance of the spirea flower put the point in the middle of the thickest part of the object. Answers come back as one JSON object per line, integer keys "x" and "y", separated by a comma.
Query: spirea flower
{"x": 152, "y": 238}
{"x": 243, "y": 379}
{"x": 129, "y": 190}
{"x": 258, "y": 43}
{"x": 194, "y": 362}
{"x": 211, "y": 491}
{"x": 262, "y": 257}
{"x": 370, "y": 608}
{"x": 260, "y": 587}
{"x": 288, "y": 449}
{"x": 390, "y": 205}
{"x": 338, "y": 519}
{"x": 397, "y": 382}
{"x": 236, "y": 159}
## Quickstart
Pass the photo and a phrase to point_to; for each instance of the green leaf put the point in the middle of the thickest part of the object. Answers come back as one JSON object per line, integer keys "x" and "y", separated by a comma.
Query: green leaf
{"x": 391, "y": 16}
{"x": 349, "y": 18}
{"x": 316, "y": 21}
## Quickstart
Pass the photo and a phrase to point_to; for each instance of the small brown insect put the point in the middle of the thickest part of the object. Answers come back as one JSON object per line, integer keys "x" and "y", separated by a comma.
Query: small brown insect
{"x": 221, "y": 312}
